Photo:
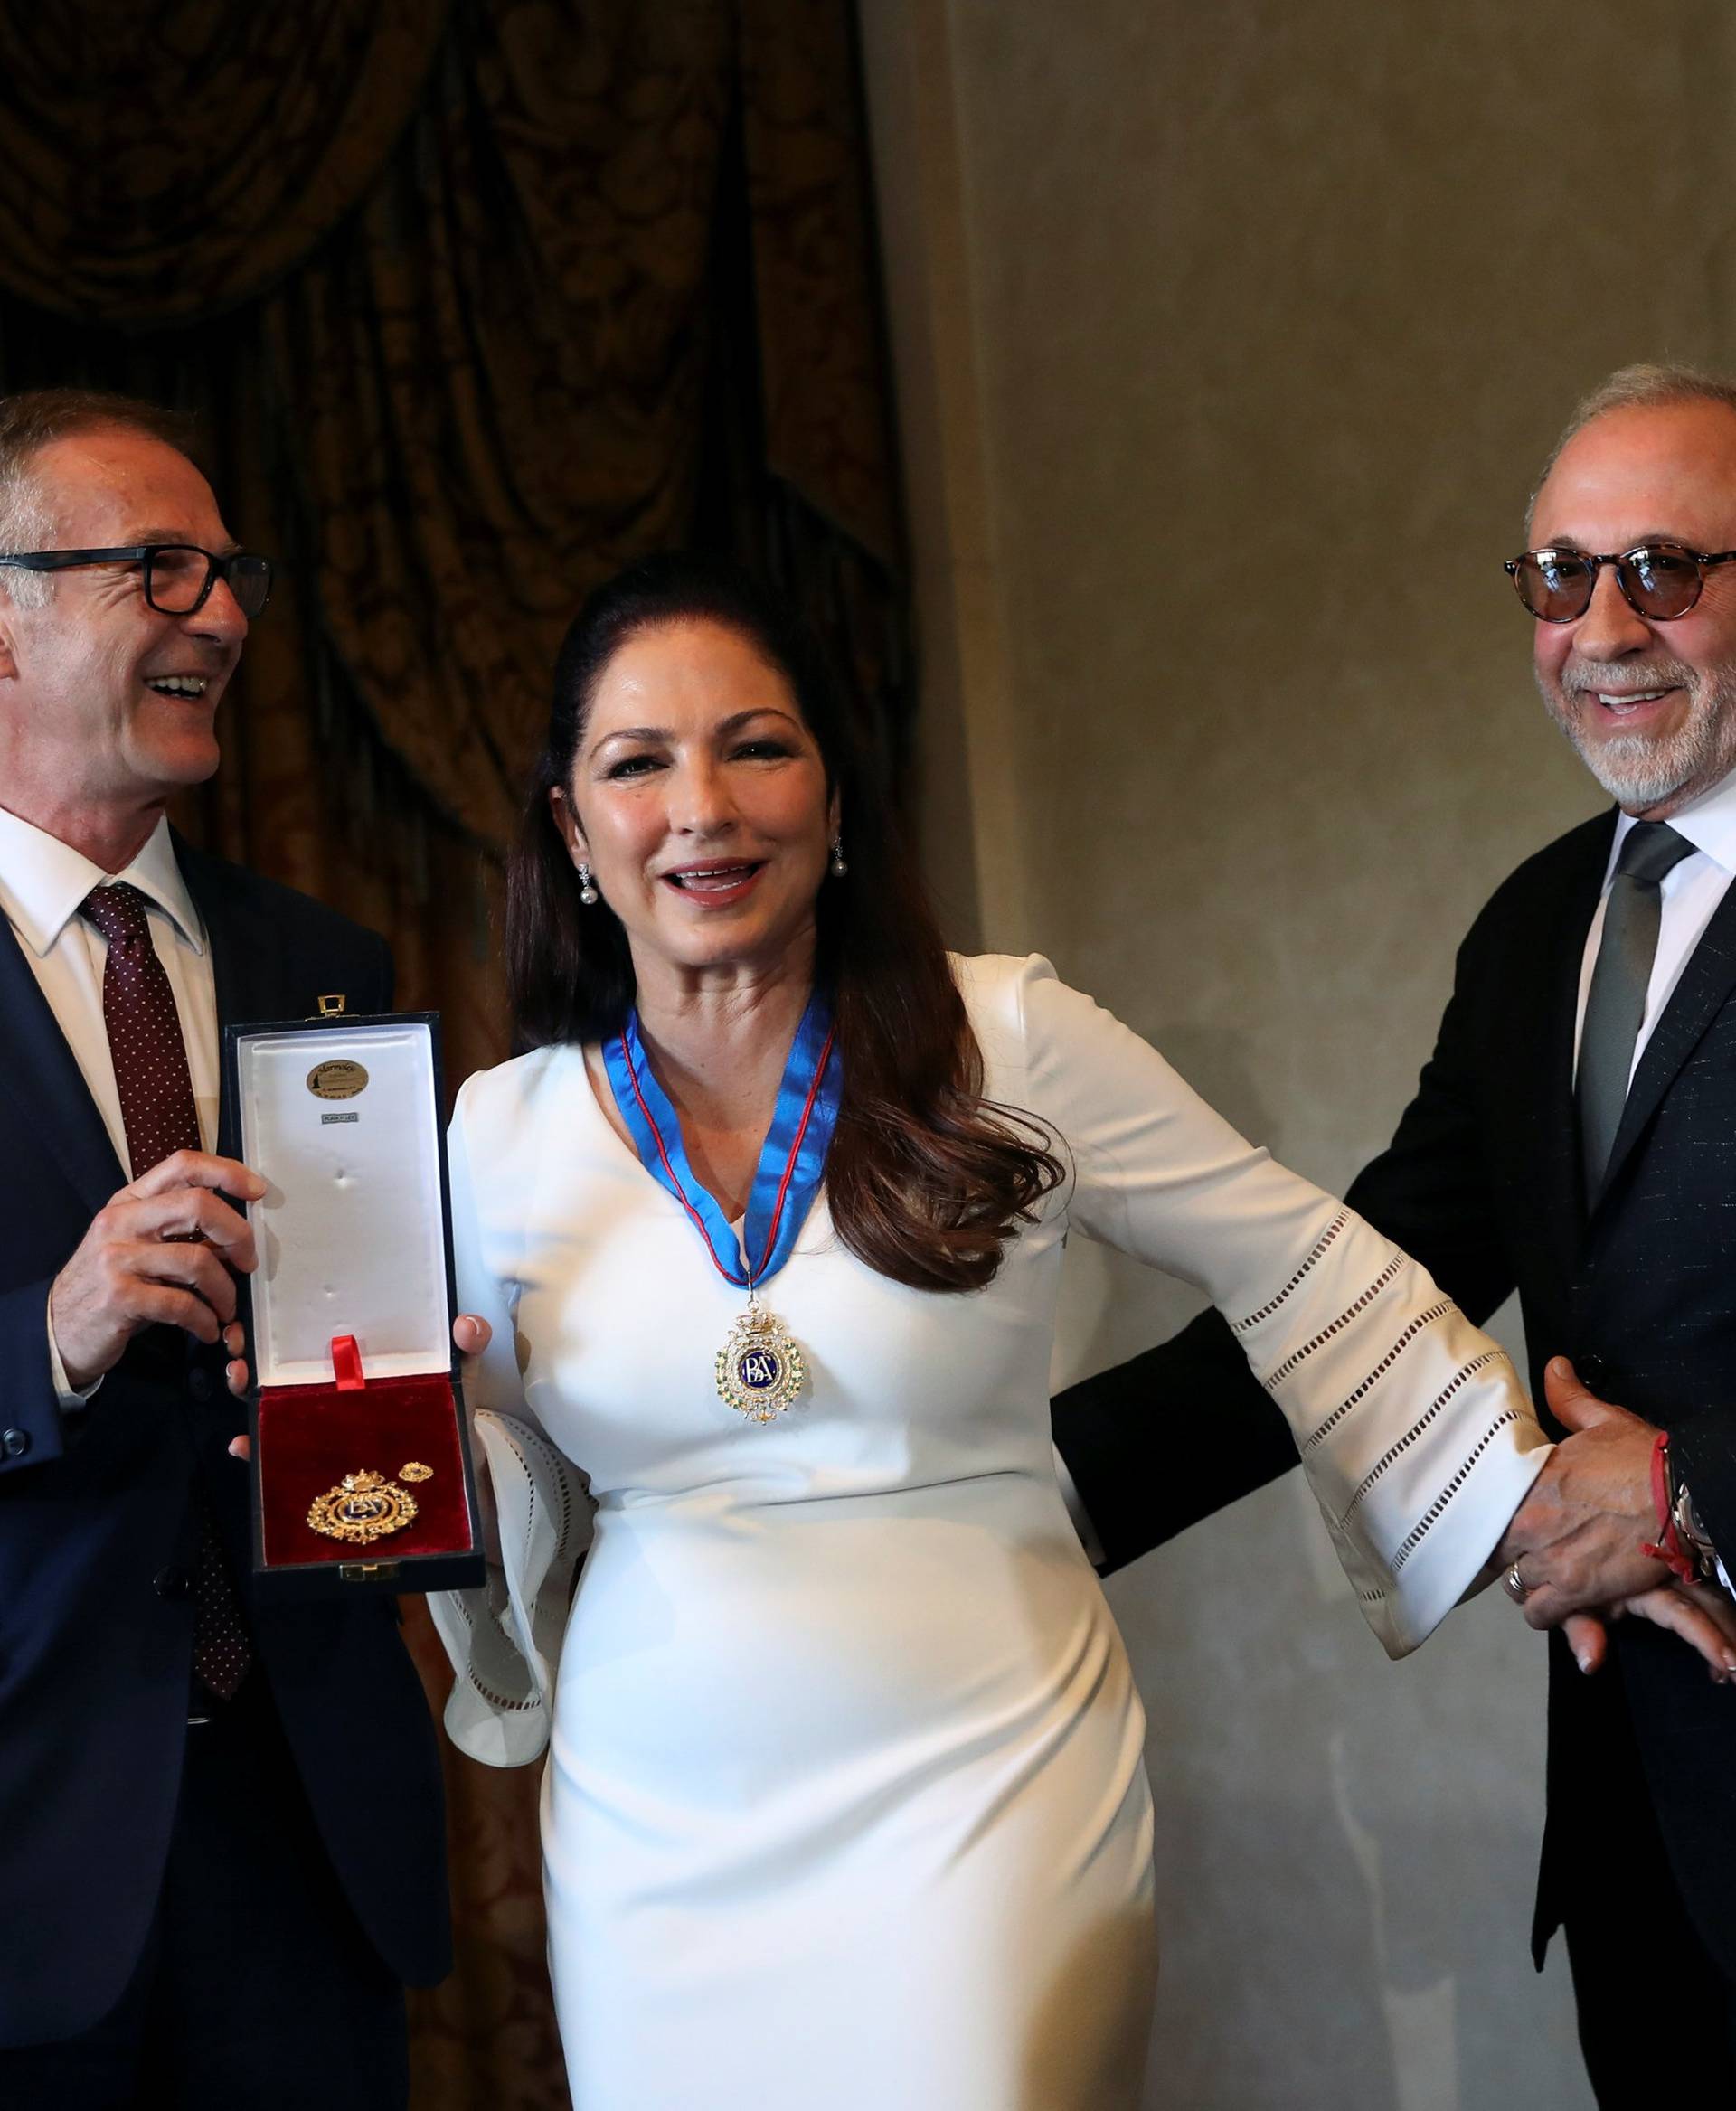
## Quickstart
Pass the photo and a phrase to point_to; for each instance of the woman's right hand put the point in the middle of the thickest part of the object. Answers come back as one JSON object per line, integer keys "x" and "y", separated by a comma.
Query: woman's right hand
{"x": 471, "y": 1335}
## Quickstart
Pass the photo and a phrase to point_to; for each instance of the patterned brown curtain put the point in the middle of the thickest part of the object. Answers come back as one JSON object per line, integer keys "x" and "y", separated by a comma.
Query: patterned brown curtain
{"x": 477, "y": 301}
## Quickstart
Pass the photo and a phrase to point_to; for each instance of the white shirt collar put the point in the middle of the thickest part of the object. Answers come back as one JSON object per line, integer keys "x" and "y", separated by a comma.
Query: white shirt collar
{"x": 1709, "y": 824}
{"x": 42, "y": 882}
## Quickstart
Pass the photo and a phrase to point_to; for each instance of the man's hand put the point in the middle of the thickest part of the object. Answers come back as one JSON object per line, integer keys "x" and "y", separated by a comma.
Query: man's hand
{"x": 1703, "y": 1616}
{"x": 1576, "y": 1538}
{"x": 163, "y": 1251}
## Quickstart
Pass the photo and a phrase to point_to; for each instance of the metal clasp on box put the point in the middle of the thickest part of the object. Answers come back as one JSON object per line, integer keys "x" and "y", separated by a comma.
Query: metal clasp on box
{"x": 366, "y": 1571}
{"x": 332, "y": 1006}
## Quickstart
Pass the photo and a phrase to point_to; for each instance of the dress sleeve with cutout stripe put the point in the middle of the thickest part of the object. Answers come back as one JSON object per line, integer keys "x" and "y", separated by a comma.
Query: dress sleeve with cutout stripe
{"x": 1414, "y": 1431}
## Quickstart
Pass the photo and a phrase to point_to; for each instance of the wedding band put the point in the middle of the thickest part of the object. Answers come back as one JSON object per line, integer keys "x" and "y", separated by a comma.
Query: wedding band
{"x": 1514, "y": 1584}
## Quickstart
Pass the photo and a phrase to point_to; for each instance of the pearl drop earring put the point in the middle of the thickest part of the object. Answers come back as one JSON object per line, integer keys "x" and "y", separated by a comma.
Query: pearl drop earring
{"x": 587, "y": 892}
{"x": 838, "y": 867}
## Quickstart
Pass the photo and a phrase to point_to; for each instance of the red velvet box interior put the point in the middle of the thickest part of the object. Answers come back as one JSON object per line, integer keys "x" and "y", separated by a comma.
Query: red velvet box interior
{"x": 311, "y": 1436}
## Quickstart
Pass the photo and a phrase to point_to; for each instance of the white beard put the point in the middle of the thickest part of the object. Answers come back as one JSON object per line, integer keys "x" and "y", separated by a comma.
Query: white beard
{"x": 1639, "y": 771}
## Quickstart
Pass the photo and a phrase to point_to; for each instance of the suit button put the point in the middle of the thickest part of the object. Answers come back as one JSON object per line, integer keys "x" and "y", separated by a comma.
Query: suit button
{"x": 1594, "y": 1372}
{"x": 171, "y": 1583}
{"x": 14, "y": 1443}
{"x": 199, "y": 1384}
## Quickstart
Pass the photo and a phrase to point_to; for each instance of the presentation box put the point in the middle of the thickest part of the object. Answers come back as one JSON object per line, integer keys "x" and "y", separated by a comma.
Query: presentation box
{"x": 362, "y": 1472}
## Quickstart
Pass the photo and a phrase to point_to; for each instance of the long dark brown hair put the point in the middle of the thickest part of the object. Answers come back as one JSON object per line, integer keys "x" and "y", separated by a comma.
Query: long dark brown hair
{"x": 925, "y": 1179}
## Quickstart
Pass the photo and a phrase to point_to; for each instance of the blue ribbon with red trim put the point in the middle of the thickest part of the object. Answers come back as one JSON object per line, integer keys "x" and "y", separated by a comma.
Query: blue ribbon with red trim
{"x": 792, "y": 1159}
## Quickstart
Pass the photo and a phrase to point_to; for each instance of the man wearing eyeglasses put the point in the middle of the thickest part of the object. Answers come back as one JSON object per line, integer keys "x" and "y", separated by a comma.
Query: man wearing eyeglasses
{"x": 1573, "y": 1137}
{"x": 220, "y": 1830}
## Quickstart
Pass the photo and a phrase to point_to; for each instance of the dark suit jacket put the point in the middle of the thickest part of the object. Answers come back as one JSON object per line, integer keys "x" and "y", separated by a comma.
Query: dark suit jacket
{"x": 97, "y": 1547}
{"x": 1482, "y": 1184}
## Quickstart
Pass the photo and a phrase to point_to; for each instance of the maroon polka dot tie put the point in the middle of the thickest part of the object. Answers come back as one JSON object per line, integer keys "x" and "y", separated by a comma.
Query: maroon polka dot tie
{"x": 151, "y": 1075}
{"x": 159, "y": 1115}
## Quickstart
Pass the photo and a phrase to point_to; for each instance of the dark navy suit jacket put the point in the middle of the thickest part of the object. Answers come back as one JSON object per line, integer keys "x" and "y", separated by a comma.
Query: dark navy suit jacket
{"x": 1482, "y": 1184}
{"x": 97, "y": 1546}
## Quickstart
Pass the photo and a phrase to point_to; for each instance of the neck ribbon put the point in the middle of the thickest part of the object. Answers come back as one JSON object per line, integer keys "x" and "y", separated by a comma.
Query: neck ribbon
{"x": 792, "y": 1159}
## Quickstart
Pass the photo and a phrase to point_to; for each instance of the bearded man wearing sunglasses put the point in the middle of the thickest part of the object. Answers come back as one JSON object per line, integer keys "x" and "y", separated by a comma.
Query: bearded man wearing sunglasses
{"x": 223, "y": 1845}
{"x": 1573, "y": 1137}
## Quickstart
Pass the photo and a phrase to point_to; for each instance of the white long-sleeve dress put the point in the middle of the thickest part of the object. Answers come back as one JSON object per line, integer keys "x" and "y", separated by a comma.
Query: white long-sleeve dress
{"x": 846, "y": 1807}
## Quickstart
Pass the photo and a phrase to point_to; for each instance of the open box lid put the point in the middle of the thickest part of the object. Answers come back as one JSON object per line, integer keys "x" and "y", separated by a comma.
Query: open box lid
{"x": 342, "y": 1119}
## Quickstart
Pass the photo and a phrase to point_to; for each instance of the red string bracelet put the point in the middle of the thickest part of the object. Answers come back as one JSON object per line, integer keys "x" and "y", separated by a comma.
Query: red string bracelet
{"x": 1668, "y": 1547}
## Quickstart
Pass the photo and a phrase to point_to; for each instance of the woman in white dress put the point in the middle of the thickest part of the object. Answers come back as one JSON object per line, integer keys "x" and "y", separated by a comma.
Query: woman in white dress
{"x": 846, "y": 1807}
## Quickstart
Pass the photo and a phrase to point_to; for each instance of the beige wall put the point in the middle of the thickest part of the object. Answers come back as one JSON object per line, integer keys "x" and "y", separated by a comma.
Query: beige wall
{"x": 1228, "y": 339}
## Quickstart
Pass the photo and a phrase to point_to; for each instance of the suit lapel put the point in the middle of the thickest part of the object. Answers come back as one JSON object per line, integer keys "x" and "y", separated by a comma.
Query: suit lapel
{"x": 1699, "y": 996}
{"x": 1554, "y": 1117}
{"x": 246, "y": 960}
{"x": 39, "y": 1071}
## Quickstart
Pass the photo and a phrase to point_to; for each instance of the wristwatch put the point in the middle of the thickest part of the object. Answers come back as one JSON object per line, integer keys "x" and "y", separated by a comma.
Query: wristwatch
{"x": 1690, "y": 1533}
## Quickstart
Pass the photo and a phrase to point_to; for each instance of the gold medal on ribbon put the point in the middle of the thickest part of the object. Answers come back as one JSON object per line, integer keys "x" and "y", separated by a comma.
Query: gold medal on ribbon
{"x": 759, "y": 1368}
{"x": 362, "y": 1508}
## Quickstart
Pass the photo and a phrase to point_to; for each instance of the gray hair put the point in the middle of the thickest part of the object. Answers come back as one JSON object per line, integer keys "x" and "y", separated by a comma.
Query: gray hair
{"x": 1648, "y": 385}
{"x": 36, "y": 418}
{"x": 25, "y": 523}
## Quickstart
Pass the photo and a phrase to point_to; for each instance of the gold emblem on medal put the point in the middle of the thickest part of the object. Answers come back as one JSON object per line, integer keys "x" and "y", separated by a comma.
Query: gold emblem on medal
{"x": 362, "y": 1508}
{"x": 759, "y": 1368}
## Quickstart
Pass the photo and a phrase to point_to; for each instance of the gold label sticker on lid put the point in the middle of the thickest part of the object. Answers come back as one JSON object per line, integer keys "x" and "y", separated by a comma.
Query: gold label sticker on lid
{"x": 340, "y": 1079}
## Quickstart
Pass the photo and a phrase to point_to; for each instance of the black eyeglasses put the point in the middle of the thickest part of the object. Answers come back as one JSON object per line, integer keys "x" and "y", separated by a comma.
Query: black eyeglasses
{"x": 1660, "y": 580}
{"x": 178, "y": 576}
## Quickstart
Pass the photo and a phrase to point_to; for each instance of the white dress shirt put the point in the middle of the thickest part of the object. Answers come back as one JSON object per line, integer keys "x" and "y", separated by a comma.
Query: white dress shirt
{"x": 43, "y": 882}
{"x": 1691, "y": 892}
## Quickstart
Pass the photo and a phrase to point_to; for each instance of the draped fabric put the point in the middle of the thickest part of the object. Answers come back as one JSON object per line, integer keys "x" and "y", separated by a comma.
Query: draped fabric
{"x": 169, "y": 160}
{"x": 476, "y": 302}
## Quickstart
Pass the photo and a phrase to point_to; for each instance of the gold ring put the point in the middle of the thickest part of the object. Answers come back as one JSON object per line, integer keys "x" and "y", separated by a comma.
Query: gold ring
{"x": 415, "y": 1471}
{"x": 362, "y": 1508}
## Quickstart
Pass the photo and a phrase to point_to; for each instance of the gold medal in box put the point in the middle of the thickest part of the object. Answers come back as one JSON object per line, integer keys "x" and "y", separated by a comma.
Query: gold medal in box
{"x": 363, "y": 1507}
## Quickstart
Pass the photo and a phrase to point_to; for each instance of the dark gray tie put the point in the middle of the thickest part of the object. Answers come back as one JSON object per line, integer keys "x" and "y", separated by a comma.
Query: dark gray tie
{"x": 1617, "y": 1002}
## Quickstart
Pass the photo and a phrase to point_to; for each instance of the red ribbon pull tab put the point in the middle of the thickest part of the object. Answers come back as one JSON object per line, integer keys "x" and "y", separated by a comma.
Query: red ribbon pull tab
{"x": 346, "y": 1361}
